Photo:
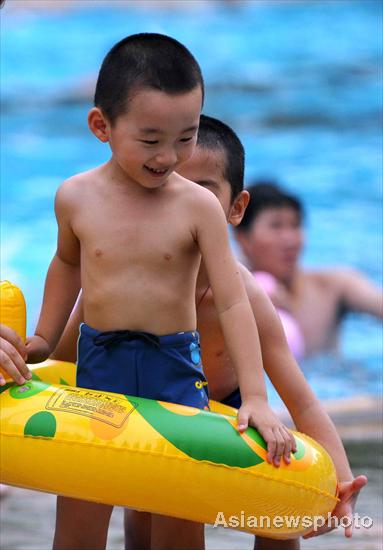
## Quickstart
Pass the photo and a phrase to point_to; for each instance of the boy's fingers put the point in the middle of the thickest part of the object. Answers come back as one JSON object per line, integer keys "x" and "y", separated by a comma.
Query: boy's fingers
{"x": 280, "y": 446}
{"x": 242, "y": 421}
{"x": 9, "y": 335}
{"x": 348, "y": 530}
{"x": 10, "y": 368}
{"x": 288, "y": 444}
{"x": 10, "y": 356}
{"x": 359, "y": 482}
{"x": 271, "y": 444}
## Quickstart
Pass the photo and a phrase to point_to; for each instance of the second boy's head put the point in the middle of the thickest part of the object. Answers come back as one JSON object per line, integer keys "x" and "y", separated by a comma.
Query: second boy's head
{"x": 271, "y": 232}
{"x": 218, "y": 164}
{"x": 148, "y": 100}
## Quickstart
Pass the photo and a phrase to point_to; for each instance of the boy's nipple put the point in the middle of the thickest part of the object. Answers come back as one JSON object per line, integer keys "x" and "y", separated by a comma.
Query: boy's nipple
{"x": 98, "y": 252}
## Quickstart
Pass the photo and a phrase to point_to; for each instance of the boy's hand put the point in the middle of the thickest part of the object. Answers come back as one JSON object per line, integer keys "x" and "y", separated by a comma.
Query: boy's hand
{"x": 13, "y": 355}
{"x": 348, "y": 494}
{"x": 256, "y": 412}
{"x": 37, "y": 349}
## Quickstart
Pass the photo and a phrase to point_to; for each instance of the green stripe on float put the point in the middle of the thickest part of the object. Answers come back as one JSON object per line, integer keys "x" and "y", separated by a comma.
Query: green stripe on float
{"x": 204, "y": 436}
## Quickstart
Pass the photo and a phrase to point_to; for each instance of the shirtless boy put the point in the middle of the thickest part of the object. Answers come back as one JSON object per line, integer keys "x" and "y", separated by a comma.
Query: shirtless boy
{"x": 217, "y": 164}
{"x": 271, "y": 238}
{"x": 131, "y": 234}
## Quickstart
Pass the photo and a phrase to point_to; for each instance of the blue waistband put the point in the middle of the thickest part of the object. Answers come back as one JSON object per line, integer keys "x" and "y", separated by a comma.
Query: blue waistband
{"x": 178, "y": 338}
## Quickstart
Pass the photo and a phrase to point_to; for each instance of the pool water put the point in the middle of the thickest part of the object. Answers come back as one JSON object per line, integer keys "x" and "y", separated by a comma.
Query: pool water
{"x": 300, "y": 82}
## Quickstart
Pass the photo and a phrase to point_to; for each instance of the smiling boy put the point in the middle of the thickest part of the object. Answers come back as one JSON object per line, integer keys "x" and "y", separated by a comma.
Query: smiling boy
{"x": 131, "y": 234}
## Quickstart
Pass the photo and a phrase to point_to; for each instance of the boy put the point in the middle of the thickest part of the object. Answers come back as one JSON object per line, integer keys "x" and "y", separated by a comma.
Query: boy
{"x": 218, "y": 165}
{"x": 271, "y": 237}
{"x": 140, "y": 231}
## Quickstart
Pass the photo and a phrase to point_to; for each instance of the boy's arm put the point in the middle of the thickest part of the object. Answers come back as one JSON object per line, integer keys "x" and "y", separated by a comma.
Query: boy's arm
{"x": 307, "y": 412}
{"x": 66, "y": 349}
{"x": 239, "y": 329}
{"x": 62, "y": 284}
{"x": 358, "y": 293}
{"x": 13, "y": 352}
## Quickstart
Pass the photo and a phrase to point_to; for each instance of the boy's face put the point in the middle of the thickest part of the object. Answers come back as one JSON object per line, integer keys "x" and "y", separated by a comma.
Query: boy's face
{"x": 274, "y": 241}
{"x": 206, "y": 167}
{"x": 155, "y": 135}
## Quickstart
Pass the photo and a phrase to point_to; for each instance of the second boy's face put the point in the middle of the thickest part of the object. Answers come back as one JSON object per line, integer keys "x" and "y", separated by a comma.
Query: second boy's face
{"x": 206, "y": 168}
{"x": 274, "y": 241}
{"x": 158, "y": 132}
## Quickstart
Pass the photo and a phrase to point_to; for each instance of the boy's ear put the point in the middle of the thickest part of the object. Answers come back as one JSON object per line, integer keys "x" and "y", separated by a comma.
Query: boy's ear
{"x": 98, "y": 124}
{"x": 238, "y": 208}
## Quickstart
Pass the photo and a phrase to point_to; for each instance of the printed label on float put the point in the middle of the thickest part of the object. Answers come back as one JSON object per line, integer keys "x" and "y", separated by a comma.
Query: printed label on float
{"x": 96, "y": 405}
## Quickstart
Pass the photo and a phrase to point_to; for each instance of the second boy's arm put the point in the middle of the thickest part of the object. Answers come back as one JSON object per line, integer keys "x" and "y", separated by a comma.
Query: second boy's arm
{"x": 239, "y": 329}
{"x": 307, "y": 412}
{"x": 62, "y": 284}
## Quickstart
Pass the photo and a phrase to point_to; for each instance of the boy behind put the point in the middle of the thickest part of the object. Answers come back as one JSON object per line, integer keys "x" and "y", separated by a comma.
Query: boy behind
{"x": 131, "y": 234}
{"x": 218, "y": 165}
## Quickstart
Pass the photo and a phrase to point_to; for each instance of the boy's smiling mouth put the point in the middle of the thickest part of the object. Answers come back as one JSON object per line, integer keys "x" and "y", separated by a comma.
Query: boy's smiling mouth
{"x": 156, "y": 171}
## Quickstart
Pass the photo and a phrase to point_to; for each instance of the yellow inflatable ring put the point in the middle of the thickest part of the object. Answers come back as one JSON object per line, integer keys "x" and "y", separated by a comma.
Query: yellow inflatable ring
{"x": 155, "y": 456}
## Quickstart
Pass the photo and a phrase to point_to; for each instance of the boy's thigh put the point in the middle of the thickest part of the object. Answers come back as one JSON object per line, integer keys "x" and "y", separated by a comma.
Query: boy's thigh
{"x": 81, "y": 524}
{"x": 176, "y": 534}
{"x": 137, "y": 530}
{"x": 145, "y": 531}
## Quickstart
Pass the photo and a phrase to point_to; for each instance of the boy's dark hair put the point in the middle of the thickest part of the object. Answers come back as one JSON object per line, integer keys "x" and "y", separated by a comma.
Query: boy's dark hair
{"x": 145, "y": 60}
{"x": 265, "y": 195}
{"x": 215, "y": 135}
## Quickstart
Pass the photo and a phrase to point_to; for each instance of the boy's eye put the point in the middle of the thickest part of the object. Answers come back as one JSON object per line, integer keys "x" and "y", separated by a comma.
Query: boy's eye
{"x": 149, "y": 141}
{"x": 185, "y": 140}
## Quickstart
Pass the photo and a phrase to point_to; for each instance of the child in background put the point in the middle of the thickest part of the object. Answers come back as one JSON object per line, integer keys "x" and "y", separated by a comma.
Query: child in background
{"x": 271, "y": 237}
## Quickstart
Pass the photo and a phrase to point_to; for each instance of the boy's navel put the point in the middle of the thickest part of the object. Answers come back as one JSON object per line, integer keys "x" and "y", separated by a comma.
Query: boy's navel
{"x": 167, "y": 257}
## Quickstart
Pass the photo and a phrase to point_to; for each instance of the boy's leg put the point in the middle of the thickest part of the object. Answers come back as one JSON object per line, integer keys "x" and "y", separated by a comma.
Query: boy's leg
{"x": 145, "y": 531}
{"x": 137, "y": 530}
{"x": 177, "y": 361}
{"x": 176, "y": 534}
{"x": 270, "y": 544}
{"x": 81, "y": 525}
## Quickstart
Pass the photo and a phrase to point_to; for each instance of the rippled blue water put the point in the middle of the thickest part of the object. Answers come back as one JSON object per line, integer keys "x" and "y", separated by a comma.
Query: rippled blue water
{"x": 299, "y": 81}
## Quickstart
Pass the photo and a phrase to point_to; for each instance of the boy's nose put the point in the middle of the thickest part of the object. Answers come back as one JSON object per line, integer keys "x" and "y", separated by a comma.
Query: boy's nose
{"x": 167, "y": 157}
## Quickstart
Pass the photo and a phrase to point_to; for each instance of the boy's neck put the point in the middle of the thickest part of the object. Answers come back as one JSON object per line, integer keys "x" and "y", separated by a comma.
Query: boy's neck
{"x": 122, "y": 179}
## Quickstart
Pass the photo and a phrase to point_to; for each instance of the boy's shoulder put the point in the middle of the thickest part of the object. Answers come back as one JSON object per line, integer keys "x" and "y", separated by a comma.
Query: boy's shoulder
{"x": 82, "y": 178}
{"x": 74, "y": 191}
{"x": 253, "y": 288}
{"x": 194, "y": 193}
{"x": 78, "y": 183}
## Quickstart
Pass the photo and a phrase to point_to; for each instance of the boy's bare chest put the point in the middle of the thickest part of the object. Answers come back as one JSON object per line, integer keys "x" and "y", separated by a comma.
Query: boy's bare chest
{"x": 134, "y": 233}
